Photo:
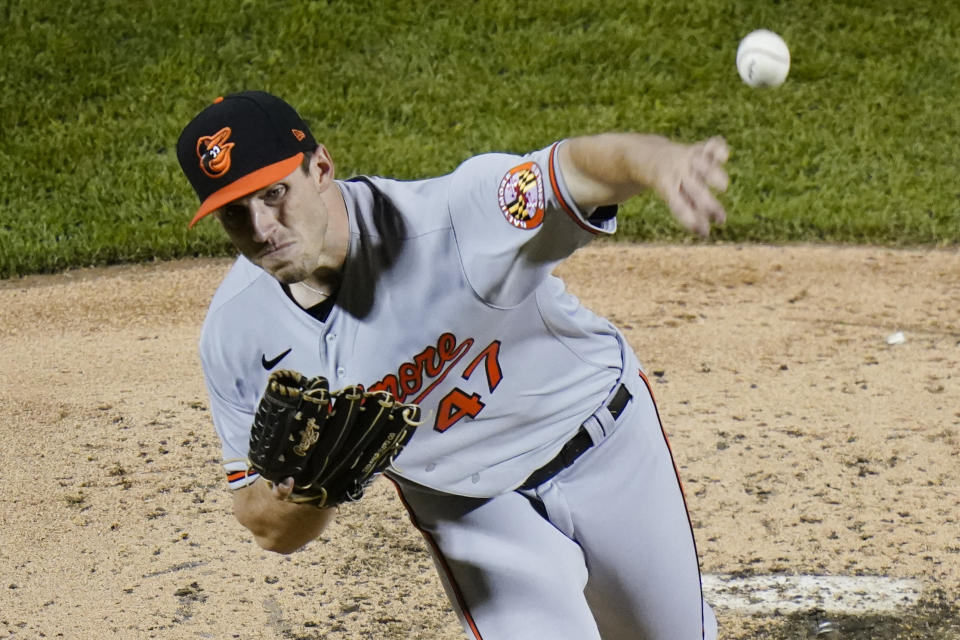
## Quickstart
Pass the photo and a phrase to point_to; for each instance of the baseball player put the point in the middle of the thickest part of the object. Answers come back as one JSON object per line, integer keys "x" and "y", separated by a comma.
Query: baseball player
{"x": 540, "y": 475}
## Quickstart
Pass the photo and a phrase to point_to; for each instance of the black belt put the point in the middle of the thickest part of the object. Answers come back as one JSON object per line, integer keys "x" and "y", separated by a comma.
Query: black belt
{"x": 576, "y": 445}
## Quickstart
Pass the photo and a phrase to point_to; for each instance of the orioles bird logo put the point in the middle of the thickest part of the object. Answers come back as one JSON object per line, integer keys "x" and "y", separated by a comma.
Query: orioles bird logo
{"x": 214, "y": 153}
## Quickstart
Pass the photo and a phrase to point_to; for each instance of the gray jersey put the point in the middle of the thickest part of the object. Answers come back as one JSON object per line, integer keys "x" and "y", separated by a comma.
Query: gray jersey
{"x": 447, "y": 300}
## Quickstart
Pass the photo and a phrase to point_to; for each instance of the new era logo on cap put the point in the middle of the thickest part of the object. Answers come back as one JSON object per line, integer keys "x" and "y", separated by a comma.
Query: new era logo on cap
{"x": 240, "y": 144}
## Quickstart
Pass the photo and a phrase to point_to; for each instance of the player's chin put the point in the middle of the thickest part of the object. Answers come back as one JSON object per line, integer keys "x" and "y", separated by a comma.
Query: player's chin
{"x": 286, "y": 273}
{"x": 280, "y": 267}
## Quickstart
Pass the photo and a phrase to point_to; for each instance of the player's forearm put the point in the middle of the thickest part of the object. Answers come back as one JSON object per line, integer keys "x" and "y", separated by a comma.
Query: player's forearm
{"x": 282, "y": 527}
{"x": 610, "y": 168}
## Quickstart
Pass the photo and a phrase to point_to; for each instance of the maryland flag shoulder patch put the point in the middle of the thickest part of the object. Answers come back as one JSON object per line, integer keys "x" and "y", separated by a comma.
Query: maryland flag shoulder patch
{"x": 521, "y": 196}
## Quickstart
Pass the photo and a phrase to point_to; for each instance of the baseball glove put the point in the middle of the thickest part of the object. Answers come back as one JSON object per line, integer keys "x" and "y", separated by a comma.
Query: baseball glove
{"x": 332, "y": 444}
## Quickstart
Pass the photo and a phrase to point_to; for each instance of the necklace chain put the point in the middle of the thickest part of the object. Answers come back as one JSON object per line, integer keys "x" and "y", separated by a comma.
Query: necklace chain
{"x": 325, "y": 294}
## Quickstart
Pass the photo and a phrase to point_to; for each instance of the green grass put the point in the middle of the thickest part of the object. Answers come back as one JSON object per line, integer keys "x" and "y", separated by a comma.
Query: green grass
{"x": 859, "y": 146}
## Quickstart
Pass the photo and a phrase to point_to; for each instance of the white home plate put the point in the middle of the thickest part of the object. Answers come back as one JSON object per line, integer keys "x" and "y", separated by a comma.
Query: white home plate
{"x": 855, "y": 595}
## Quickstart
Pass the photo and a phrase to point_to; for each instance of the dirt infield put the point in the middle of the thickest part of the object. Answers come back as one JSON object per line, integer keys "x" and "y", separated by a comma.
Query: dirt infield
{"x": 808, "y": 445}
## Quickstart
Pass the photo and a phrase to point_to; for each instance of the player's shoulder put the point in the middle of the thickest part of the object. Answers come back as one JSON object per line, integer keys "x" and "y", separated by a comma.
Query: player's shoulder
{"x": 365, "y": 189}
{"x": 490, "y": 164}
{"x": 415, "y": 207}
{"x": 494, "y": 167}
{"x": 242, "y": 275}
{"x": 238, "y": 310}
{"x": 241, "y": 292}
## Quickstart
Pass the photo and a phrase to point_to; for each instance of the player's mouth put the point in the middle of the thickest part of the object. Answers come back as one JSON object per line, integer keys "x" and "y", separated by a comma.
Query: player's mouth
{"x": 275, "y": 251}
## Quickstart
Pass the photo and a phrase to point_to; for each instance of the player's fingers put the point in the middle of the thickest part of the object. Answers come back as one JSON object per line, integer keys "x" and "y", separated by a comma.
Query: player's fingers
{"x": 282, "y": 490}
{"x": 710, "y": 168}
{"x": 703, "y": 203}
{"x": 716, "y": 213}
{"x": 685, "y": 211}
{"x": 716, "y": 149}
{"x": 697, "y": 192}
{"x": 710, "y": 208}
{"x": 717, "y": 178}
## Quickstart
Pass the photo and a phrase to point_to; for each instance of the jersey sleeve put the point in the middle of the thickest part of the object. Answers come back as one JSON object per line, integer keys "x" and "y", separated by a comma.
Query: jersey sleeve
{"x": 232, "y": 420}
{"x": 233, "y": 427}
{"x": 514, "y": 221}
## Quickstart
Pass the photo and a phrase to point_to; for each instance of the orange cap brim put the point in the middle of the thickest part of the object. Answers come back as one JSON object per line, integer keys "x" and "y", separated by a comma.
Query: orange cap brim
{"x": 247, "y": 185}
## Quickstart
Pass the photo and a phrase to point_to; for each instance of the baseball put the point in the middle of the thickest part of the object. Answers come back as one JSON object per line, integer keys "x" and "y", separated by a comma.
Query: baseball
{"x": 763, "y": 59}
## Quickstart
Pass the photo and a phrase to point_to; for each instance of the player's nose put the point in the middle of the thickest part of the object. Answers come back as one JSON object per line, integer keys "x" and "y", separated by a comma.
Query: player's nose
{"x": 263, "y": 220}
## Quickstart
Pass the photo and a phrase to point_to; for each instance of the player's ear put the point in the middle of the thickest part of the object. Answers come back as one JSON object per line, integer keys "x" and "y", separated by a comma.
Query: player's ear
{"x": 320, "y": 167}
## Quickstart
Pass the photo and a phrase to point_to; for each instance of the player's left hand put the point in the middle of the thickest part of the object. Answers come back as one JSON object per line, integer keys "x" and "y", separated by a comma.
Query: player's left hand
{"x": 686, "y": 176}
{"x": 321, "y": 447}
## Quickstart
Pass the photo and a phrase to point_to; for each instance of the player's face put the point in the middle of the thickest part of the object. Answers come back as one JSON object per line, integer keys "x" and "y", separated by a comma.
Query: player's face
{"x": 284, "y": 227}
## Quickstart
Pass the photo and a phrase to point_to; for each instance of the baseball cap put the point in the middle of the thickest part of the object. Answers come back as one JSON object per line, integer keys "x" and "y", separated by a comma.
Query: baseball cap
{"x": 239, "y": 144}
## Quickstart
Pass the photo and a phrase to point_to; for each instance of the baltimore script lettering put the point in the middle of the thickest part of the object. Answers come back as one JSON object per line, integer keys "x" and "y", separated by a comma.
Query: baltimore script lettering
{"x": 431, "y": 363}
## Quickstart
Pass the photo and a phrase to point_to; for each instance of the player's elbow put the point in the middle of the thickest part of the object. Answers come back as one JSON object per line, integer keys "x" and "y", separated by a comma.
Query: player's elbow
{"x": 282, "y": 540}
{"x": 278, "y": 545}
{"x": 289, "y": 533}
{"x": 280, "y": 537}
{"x": 278, "y": 526}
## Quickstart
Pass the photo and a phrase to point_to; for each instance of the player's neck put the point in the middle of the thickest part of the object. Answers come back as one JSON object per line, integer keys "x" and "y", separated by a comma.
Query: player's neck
{"x": 337, "y": 240}
{"x": 322, "y": 284}
{"x": 312, "y": 291}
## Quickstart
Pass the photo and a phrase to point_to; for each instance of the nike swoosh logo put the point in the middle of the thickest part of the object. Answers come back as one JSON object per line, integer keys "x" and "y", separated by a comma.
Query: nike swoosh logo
{"x": 270, "y": 364}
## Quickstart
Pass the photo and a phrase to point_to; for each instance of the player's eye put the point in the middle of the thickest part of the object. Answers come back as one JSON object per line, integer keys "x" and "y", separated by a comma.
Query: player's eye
{"x": 274, "y": 193}
{"x": 233, "y": 215}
